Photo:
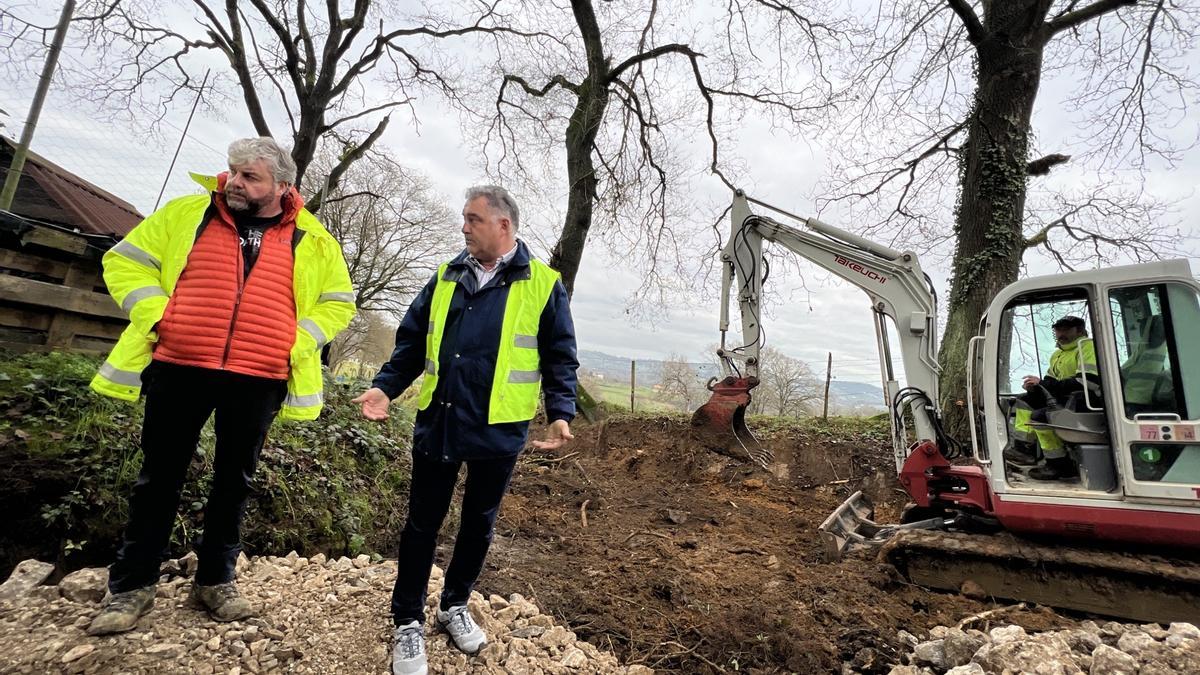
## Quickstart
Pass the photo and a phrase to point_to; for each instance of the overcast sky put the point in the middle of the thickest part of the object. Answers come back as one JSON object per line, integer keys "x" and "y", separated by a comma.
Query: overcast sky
{"x": 824, "y": 316}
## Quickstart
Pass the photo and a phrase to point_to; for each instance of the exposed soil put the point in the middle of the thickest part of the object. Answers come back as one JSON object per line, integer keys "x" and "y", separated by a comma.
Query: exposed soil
{"x": 695, "y": 561}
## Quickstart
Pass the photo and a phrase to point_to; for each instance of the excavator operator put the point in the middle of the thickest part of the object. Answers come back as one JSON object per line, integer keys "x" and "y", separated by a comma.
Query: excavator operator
{"x": 1062, "y": 379}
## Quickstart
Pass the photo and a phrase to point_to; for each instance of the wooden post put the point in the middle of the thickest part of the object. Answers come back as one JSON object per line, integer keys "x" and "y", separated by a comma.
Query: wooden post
{"x": 632, "y": 383}
{"x": 828, "y": 377}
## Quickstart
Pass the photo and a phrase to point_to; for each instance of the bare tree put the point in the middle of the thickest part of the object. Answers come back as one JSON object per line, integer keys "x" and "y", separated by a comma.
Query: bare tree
{"x": 946, "y": 92}
{"x": 788, "y": 384}
{"x": 680, "y": 381}
{"x": 393, "y": 227}
{"x": 632, "y": 80}
{"x": 332, "y": 72}
{"x": 369, "y": 340}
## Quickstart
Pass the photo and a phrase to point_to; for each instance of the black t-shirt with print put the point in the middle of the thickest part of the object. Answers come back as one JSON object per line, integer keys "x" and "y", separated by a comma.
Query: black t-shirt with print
{"x": 251, "y": 229}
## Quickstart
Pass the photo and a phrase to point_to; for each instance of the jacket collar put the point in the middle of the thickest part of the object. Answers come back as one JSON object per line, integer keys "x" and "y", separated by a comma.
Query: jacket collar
{"x": 517, "y": 269}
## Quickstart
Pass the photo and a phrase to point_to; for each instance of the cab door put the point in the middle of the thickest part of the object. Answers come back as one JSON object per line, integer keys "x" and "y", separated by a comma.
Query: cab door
{"x": 1154, "y": 337}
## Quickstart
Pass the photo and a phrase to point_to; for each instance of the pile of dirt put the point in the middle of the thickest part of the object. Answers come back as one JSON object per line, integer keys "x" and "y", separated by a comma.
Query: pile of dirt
{"x": 650, "y": 541}
{"x": 316, "y": 616}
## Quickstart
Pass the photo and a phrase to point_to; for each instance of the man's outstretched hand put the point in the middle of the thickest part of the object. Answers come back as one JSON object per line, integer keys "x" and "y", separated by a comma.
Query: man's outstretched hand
{"x": 374, "y": 404}
{"x": 557, "y": 433}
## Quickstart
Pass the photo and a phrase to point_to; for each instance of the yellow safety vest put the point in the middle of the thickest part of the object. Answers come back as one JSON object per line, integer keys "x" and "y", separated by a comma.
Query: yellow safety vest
{"x": 141, "y": 272}
{"x": 517, "y": 381}
{"x": 1064, "y": 362}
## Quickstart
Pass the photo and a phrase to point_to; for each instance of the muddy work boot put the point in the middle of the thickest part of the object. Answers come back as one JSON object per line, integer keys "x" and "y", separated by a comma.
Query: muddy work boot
{"x": 223, "y": 601}
{"x": 1057, "y": 468}
{"x": 458, "y": 622}
{"x": 121, "y": 611}
{"x": 1021, "y": 454}
{"x": 408, "y": 650}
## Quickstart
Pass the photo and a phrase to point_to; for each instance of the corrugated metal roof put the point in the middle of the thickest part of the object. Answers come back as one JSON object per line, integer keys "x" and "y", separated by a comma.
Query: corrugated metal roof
{"x": 50, "y": 193}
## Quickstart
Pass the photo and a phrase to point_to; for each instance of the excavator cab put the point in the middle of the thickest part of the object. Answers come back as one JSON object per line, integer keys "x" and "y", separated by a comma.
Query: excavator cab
{"x": 1129, "y": 426}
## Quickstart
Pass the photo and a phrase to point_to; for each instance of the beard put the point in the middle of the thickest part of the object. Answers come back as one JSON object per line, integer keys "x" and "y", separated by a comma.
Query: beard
{"x": 244, "y": 205}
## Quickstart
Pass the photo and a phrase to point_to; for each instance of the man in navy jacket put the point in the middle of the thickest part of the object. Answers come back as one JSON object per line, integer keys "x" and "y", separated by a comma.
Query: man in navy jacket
{"x": 467, "y": 414}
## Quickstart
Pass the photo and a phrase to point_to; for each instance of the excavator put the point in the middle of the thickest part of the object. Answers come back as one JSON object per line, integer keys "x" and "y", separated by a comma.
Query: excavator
{"x": 1121, "y": 539}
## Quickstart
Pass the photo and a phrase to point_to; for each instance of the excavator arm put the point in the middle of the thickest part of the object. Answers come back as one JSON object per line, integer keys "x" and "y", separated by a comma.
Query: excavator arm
{"x": 893, "y": 280}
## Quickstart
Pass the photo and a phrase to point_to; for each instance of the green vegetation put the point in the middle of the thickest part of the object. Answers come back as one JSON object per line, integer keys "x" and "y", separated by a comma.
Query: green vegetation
{"x": 70, "y": 456}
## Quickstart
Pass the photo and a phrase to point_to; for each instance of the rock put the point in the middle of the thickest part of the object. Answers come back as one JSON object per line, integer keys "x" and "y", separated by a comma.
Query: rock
{"x": 214, "y": 643}
{"x": 640, "y": 670}
{"x": 973, "y": 590}
{"x": 1176, "y": 641}
{"x": 189, "y": 563}
{"x": 1154, "y": 630}
{"x": 1003, "y": 634}
{"x": 1109, "y": 661}
{"x": 242, "y": 564}
{"x": 907, "y": 670}
{"x": 362, "y": 561}
{"x": 78, "y": 652}
{"x": 960, "y": 647}
{"x": 1047, "y": 655}
{"x": 772, "y": 562}
{"x": 932, "y": 653}
{"x": 497, "y": 602}
{"x": 1134, "y": 642}
{"x": 939, "y": 632}
{"x": 25, "y": 576}
{"x": 528, "y": 632}
{"x": 754, "y": 484}
{"x": 85, "y": 585}
{"x": 292, "y": 556}
{"x": 318, "y": 559}
{"x": 907, "y": 638}
{"x": 170, "y": 568}
{"x": 968, "y": 669}
{"x": 1184, "y": 629}
{"x": 867, "y": 660}
{"x": 574, "y": 658}
{"x": 676, "y": 516}
{"x": 1082, "y": 641}
{"x": 165, "y": 650}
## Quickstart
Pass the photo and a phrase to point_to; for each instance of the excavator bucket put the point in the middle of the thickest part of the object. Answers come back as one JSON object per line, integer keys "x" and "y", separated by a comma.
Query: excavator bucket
{"x": 726, "y": 412}
{"x": 851, "y": 526}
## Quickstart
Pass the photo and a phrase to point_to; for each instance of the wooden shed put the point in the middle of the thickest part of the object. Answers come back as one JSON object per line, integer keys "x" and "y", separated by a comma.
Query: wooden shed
{"x": 52, "y": 295}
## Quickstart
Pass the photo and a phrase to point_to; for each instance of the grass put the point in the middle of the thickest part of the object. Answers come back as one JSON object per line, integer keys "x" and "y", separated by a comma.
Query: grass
{"x": 336, "y": 485}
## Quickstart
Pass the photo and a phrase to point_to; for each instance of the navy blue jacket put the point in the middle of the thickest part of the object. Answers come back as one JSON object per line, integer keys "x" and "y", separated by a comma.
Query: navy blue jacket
{"x": 454, "y": 427}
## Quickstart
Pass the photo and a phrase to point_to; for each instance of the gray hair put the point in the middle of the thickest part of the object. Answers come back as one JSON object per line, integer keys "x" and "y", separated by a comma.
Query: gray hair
{"x": 498, "y": 198}
{"x": 246, "y": 150}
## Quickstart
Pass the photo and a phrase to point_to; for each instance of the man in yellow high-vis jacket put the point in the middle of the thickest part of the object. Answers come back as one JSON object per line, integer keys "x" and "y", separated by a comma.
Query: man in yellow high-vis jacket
{"x": 1070, "y": 365}
{"x": 231, "y": 294}
{"x": 491, "y": 332}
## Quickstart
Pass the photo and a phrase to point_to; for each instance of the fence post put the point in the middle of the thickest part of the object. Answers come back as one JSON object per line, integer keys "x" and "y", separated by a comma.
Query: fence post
{"x": 632, "y": 383}
{"x": 828, "y": 377}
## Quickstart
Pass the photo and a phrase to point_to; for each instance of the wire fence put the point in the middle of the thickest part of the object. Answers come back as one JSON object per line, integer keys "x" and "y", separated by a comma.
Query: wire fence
{"x": 129, "y": 165}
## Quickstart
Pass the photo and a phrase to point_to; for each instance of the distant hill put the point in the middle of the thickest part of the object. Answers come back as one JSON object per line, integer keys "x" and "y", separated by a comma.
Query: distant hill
{"x": 845, "y": 394}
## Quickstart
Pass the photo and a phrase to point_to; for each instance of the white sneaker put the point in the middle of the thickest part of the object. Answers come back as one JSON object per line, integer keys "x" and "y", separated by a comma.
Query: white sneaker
{"x": 458, "y": 622}
{"x": 408, "y": 650}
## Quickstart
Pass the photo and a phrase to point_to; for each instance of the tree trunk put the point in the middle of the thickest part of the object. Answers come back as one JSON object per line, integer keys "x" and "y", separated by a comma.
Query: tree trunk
{"x": 581, "y": 177}
{"x": 988, "y": 222}
{"x": 592, "y": 99}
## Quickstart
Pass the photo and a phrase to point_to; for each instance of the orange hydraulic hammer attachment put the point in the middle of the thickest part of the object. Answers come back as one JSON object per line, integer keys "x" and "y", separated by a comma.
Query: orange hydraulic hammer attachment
{"x": 726, "y": 412}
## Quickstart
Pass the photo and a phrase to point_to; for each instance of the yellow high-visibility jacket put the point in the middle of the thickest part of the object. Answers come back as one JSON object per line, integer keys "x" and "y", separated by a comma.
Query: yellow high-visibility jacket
{"x": 141, "y": 272}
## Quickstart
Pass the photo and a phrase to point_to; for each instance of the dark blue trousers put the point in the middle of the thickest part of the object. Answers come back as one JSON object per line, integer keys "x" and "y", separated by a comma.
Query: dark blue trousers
{"x": 428, "y": 501}
{"x": 179, "y": 400}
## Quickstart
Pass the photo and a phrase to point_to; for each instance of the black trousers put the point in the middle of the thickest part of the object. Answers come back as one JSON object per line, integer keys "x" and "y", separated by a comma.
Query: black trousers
{"x": 179, "y": 400}
{"x": 429, "y": 496}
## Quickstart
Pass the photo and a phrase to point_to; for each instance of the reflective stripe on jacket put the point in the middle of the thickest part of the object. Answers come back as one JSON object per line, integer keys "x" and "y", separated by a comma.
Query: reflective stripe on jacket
{"x": 142, "y": 272}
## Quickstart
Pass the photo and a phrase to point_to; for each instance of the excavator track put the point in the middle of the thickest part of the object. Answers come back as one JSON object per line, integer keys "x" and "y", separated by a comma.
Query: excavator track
{"x": 1122, "y": 585}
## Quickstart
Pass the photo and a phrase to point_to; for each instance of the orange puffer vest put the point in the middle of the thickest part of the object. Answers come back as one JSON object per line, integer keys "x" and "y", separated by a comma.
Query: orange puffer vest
{"x": 215, "y": 319}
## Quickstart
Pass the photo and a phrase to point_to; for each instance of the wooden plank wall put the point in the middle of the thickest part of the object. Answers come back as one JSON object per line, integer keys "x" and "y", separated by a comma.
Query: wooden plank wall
{"x": 52, "y": 297}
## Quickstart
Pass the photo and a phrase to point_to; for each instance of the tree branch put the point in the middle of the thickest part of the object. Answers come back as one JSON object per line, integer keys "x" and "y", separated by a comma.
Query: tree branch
{"x": 1084, "y": 14}
{"x": 976, "y": 33}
